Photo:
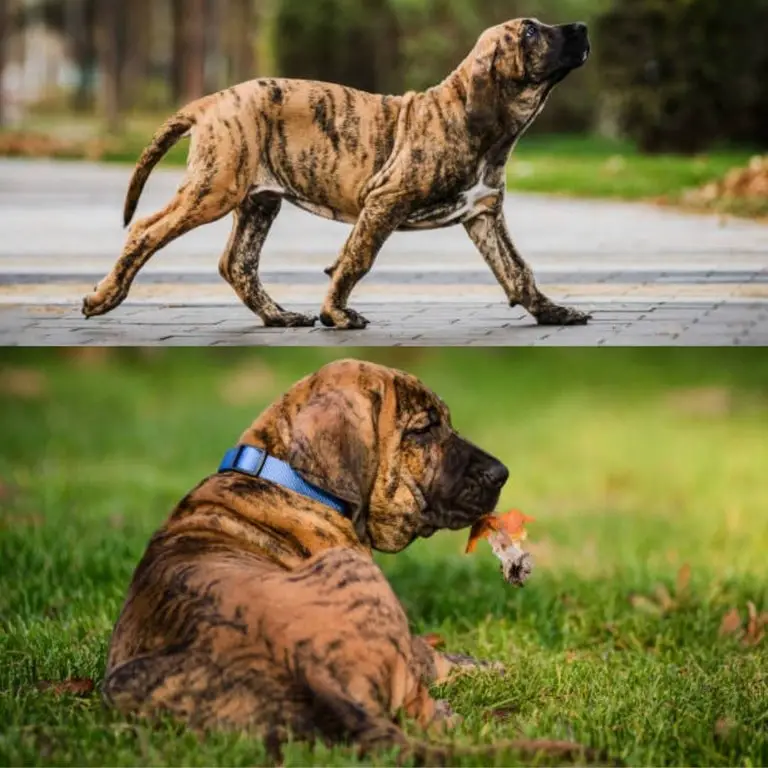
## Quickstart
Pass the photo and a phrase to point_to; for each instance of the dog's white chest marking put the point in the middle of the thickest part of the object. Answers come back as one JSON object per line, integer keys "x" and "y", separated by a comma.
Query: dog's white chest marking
{"x": 464, "y": 206}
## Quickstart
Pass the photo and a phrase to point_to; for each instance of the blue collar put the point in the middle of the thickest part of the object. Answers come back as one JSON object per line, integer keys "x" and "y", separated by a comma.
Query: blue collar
{"x": 258, "y": 463}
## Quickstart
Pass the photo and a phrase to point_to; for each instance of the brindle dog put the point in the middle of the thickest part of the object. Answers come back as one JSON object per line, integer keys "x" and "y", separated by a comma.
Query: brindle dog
{"x": 384, "y": 163}
{"x": 255, "y": 607}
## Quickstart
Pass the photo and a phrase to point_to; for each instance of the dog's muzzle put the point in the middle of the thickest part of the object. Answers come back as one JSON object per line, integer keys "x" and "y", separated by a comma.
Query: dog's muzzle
{"x": 576, "y": 45}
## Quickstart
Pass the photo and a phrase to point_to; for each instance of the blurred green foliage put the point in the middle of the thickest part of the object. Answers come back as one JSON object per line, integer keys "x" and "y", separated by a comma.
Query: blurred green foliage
{"x": 354, "y": 42}
{"x": 672, "y": 75}
{"x": 416, "y": 43}
{"x": 687, "y": 73}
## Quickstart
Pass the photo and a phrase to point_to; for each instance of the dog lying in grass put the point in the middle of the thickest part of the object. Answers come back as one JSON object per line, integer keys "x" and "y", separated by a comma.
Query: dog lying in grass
{"x": 257, "y": 605}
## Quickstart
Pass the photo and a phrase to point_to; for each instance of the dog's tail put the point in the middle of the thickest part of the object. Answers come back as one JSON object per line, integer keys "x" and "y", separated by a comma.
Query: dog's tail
{"x": 167, "y": 135}
{"x": 344, "y": 717}
{"x": 428, "y": 753}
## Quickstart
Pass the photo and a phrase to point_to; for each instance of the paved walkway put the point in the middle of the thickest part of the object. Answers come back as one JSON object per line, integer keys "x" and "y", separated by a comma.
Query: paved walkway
{"x": 650, "y": 276}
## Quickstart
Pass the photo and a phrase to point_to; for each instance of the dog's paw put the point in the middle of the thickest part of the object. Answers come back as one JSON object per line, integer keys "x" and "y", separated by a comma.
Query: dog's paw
{"x": 290, "y": 320}
{"x": 463, "y": 663}
{"x": 555, "y": 314}
{"x": 445, "y": 718}
{"x": 99, "y": 302}
{"x": 343, "y": 319}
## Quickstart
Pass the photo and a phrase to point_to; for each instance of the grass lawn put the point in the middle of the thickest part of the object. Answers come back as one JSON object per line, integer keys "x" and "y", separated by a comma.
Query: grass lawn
{"x": 645, "y": 469}
{"x": 592, "y": 167}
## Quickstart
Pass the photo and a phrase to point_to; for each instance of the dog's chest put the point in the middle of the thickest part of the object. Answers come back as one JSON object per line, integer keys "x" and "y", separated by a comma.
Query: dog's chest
{"x": 463, "y": 206}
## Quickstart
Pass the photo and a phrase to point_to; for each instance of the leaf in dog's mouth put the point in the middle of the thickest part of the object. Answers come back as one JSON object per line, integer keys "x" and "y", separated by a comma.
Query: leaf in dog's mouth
{"x": 511, "y": 524}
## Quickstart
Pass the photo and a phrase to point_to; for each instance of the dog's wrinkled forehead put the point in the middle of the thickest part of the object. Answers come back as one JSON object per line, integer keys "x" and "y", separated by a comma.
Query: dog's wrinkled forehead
{"x": 411, "y": 395}
{"x": 414, "y": 398}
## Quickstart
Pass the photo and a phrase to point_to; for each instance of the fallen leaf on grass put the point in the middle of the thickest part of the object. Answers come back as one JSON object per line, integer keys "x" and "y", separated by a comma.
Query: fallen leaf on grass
{"x": 683, "y": 579}
{"x": 724, "y": 726}
{"x": 702, "y": 401}
{"x": 644, "y": 604}
{"x": 731, "y": 623}
{"x": 21, "y": 520}
{"x": 24, "y": 383}
{"x": 664, "y": 602}
{"x": 433, "y": 640}
{"x": 78, "y": 686}
{"x": 500, "y": 713}
{"x": 755, "y": 626}
{"x": 753, "y": 633}
{"x": 88, "y": 357}
{"x": 664, "y": 599}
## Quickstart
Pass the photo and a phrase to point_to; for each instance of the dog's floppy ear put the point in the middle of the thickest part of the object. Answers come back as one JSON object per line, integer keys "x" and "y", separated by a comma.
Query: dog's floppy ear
{"x": 333, "y": 444}
{"x": 482, "y": 90}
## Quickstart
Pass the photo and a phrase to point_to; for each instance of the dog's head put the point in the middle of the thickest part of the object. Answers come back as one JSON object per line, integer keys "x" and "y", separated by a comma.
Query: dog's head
{"x": 515, "y": 65}
{"x": 381, "y": 441}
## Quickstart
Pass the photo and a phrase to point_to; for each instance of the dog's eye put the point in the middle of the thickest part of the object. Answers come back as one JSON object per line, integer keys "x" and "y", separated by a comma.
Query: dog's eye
{"x": 531, "y": 31}
{"x": 425, "y": 423}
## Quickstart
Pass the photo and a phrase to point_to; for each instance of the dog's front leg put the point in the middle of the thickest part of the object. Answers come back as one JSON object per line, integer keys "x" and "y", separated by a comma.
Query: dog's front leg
{"x": 378, "y": 219}
{"x": 489, "y": 233}
{"x": 438, "y": 666}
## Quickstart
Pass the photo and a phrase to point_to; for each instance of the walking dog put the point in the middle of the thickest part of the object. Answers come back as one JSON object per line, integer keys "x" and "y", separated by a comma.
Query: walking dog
{"x": 383, "y": 163}
{"x": 258, "y": 606}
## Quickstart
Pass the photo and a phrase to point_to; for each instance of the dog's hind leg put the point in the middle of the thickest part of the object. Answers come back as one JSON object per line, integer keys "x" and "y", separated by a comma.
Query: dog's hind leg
{"x": 489, "y": 233}
{"x": 193, "y": 205}
{"x": 195, "y": 689}
{"x": 177, "y": 683}
{"x": 239, "y": 264}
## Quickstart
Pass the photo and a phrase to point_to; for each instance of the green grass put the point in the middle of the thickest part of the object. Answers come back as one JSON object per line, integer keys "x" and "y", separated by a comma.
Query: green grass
{"x": 633, "y": 462}
{"x": 591, "y": 167}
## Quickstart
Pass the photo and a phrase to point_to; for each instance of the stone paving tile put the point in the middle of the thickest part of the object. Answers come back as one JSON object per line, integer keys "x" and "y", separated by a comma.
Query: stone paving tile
{"x": 649, "y": 275}
{"x": 410, "y": 325}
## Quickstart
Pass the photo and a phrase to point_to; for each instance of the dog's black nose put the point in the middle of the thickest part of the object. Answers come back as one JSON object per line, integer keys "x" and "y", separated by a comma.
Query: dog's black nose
{"x": 498, "y": 474}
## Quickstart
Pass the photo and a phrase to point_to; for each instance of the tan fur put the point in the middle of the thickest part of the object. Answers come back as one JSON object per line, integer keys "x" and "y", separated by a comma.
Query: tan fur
{"x": 257, "y": 608}
{"x": 382, "y": 163}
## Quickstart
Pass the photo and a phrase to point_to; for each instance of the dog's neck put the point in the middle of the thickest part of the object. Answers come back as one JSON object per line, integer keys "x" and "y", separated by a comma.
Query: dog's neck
{"x": 266, "y": 520}
{"x": 496, "y": 137}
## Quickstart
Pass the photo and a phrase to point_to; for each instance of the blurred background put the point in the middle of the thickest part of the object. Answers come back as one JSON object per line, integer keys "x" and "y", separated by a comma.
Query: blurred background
{"x": 688, "y": 78}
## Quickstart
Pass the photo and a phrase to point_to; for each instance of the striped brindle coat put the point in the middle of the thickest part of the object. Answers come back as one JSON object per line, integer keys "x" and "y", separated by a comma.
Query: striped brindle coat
{"x": 383, "y": 163}
{"x": 259, "y": 609}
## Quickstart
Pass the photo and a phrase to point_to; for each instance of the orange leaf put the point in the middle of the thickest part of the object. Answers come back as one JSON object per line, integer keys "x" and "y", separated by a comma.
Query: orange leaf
{"x": 480, "y": 530}
{"x": 755, "y": 632}
{"x": 664, "y": 598}
{"x": 642, "y": 603}
{"x": 79, "y": 686}
{"x": 683, "y": 579}
{"x": 433, "y": 640}
{"x": 731, "y": 623}
{"x": 512, "y": 523}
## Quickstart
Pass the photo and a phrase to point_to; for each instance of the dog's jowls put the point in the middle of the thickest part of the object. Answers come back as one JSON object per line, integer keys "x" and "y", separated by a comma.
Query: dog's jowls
{"x": 383, "y": 163}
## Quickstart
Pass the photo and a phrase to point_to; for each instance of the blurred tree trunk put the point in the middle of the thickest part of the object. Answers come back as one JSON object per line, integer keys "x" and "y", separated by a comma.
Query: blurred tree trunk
{"x": 135, "y": 67}
{"x": 4, "y": 35}
{"x": 243, "y": 33}
{"x": 80, "y": 22}
{"x": 189, "y": 23}
{"x": 109, "y": 34}
{"x": 215, "y": 63}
